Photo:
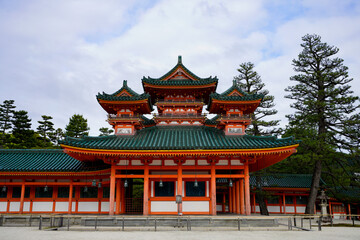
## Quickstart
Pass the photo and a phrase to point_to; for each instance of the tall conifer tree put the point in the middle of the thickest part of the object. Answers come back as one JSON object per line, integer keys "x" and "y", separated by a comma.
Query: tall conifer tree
{"x": 6, "y": 114}
{"x": 323, "y": 104}
{"x": 46, "y": 128}
{"x": 250, "y": 82}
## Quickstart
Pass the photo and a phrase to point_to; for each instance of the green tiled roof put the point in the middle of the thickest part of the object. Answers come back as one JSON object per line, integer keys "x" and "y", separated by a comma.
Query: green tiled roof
{"x": 178, "y": 138}
{"x": 224, "y": 96}
{"x": 350, "y": 193}
{"x": 284, "y": 180}
{"x": 232, "y": 88}
{"x": 113, "y": 97}
{"x": 38, "y": 160}
{"x": 185, "y": 82}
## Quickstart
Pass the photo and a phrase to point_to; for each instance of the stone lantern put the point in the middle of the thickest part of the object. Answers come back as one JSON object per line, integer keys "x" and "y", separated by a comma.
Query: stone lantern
{"x": 323, "y": 204}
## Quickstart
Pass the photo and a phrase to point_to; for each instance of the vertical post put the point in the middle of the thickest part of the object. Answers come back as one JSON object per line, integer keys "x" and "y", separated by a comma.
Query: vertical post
{"x": 118, "y": 194}
{"x": 247, "y": 189}
{"x": 233, "y": 199}
{"x": 179, "y": 187}
{"x": 213, "y": 191}
{"x": 230, "y": 200}
{"x": 22, "y": 197}
{"x": 223, "y": 203}
{"x": 283, "y": 202}
{"x": 242, "y": 205}
{"x": 71, "y": 189}
{"x": 112, "y": 190}
{"x": 146, "y": 190}
{"x": 237, "y": 191}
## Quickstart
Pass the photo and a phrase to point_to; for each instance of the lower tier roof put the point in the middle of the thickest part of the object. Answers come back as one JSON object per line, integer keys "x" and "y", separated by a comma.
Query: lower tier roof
{"x": 44, "y": 160}
{"x": 178, "y": 138}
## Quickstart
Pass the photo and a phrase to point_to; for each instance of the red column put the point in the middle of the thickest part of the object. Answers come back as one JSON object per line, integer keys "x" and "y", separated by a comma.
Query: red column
{"x": 230, "y": 200}
{"x": 237, "y": 190}
{"x": 70, "y": 196}
{"x": 242, "y": 205}
{"x": 213, "y": 191}
{"x": 247, "y": 189}
{"x": 22, "y": 197}
{"x": 118, "y": 194}
{"x": 112, "y": 190}
{"x": 233, "y": 198}
{"x": 179, "y": 186}
{"x": 146, "y": 191}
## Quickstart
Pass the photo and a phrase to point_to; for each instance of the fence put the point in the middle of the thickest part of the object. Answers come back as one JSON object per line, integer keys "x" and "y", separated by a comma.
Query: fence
{"x": 171, "y": 223}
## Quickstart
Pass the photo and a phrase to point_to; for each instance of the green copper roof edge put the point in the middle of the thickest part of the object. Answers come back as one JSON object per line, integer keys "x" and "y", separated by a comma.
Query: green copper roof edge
{"x": 179, "y": 64}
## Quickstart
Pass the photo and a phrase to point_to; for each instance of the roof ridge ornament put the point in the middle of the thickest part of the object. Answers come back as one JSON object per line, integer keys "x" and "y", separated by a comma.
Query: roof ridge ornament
{"x": 125, "y": 83}
{"x": 179, "y": 59}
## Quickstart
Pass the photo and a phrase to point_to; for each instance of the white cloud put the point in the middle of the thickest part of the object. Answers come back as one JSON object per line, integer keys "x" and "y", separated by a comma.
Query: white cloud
{"x": 54, "y": 58}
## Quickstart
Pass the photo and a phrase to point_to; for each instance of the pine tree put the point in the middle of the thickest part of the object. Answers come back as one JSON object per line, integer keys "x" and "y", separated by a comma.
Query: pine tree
{"x": 6, "y": 113}
{"x": 250, "y": 82}
{"x": 323, "y": 101}
{"x": 77, "y": 126}
{"x": 105, "y": 131}
{"x": 22, "y": 132}
{"x": 45, "y": 128}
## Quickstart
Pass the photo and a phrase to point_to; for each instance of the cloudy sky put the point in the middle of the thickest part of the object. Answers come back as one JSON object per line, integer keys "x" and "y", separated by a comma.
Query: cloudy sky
{"x": 55, "y": 56}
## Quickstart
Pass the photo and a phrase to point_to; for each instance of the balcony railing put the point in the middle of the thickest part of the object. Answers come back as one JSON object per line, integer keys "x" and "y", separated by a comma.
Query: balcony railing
{"x": 179, "y": 101}
{"x": 236, "y": 117}
{"x": 122, "y": 117}
{"x": 179, "y": 115}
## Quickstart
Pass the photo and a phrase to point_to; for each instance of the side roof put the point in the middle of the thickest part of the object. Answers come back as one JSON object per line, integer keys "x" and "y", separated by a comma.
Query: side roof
{"x": 43, "y": 160}
{"x": 284, "y": 181}
{"x": 125, "y": 93}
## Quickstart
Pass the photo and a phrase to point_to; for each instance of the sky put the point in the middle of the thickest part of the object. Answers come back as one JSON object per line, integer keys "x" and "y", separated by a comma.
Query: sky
{"x": 55, "y": 56}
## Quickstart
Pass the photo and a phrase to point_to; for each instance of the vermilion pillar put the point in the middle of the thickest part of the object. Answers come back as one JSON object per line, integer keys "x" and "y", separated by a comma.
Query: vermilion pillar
{"x": 230, "y": 201}
{"x": 213, "y": 191}
{"x": 118, "y": 194}
{"x": 179, "y": 186}
{"x": 242, "y": 205}
{"x": 71, "y": 189}
{"x": 237, "y": 190}
{"x": 112, "y": 190}
{"x": 146, "y": 191}
{"x": 247, "y": 189}
{"x": 233, "y": 199}
{"x": 22, "y": 197}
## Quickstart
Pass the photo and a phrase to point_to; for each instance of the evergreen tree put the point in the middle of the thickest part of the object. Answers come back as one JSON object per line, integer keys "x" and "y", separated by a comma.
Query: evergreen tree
{"x": 250, "y": 82}
{"x": 105, "y": 131}
{"x": 45, "y": 128}
{"x": 323, "y": 101}
{"x": 6, "y": 113}
{"x": 24, "y": 136}
{"x": 77, "y": 126}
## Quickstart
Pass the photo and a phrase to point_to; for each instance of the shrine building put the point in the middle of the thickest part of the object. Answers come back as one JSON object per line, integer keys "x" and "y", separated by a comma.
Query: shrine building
{"x": 177, "y": 162}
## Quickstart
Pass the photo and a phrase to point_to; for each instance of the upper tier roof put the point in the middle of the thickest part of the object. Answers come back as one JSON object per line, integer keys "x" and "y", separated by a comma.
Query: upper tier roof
{"x": 178, "y": 138}
{"x": 180, "y": 80}
{"x": 186, "y": 77}
{"x": 233, "y": 95}
{"x": 125, "y": 95}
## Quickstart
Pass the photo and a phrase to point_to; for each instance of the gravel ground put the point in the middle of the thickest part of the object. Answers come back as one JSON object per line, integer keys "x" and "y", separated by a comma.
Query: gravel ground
{"x": 327, "y": 233}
